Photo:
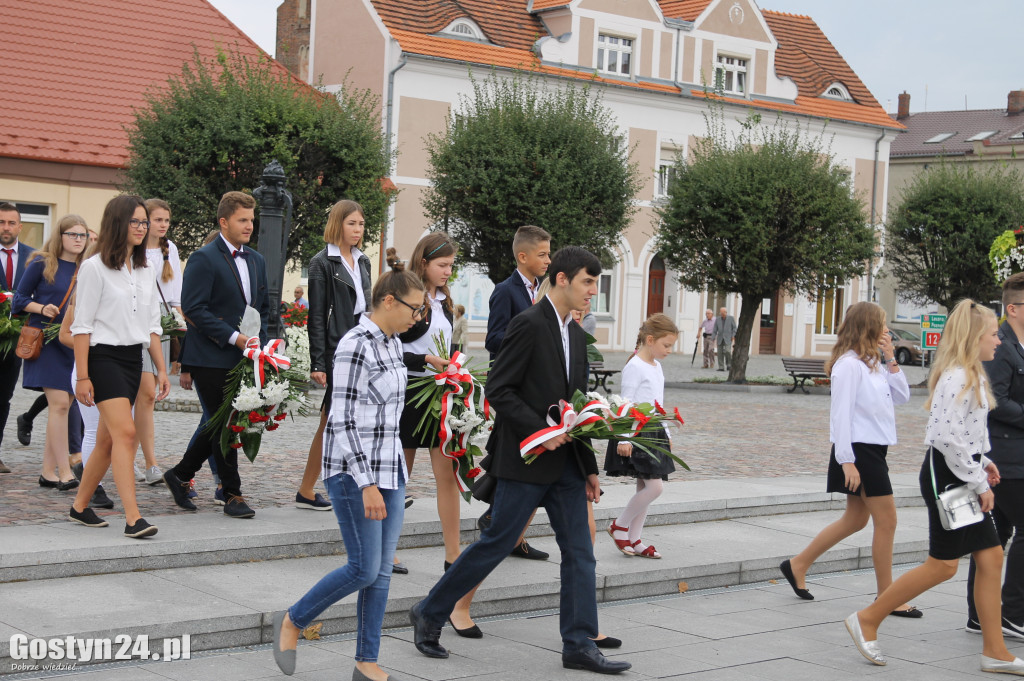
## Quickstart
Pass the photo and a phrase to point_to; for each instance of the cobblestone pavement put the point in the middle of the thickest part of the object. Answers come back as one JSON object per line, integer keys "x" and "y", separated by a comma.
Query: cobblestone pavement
{"x": 727, "y": 435}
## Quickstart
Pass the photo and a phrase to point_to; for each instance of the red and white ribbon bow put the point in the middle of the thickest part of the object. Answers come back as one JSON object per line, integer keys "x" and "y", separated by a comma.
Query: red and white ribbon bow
{"x": 568, "y": 419}
{"x": 261, "y": 358}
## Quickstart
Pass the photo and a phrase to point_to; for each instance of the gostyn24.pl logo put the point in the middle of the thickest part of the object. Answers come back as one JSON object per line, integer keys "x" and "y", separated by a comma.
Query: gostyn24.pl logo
{"x": 121, "y": 647}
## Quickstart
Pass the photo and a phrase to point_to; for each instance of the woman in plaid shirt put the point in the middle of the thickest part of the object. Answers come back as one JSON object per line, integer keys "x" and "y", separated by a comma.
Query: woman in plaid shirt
{"x": 364, "y": 471}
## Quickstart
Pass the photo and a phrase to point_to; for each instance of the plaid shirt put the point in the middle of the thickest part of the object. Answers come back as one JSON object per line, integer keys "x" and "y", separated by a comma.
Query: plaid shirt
{"x": 361, "y": 438}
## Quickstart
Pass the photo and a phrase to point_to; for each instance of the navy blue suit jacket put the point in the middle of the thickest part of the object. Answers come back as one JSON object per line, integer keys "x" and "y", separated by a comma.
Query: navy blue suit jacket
{"x": 508, "y": 299}
{"x": 24, "y": 253}
{"x": 213, "y": 303}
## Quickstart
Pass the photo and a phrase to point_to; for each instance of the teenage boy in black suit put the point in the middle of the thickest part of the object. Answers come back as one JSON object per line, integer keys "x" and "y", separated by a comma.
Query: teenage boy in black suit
{"x": 532, "y": 249}
{"x": 13, "y": 256}
{"x": 221, "y": 280}
{"x": 543, "y": 359}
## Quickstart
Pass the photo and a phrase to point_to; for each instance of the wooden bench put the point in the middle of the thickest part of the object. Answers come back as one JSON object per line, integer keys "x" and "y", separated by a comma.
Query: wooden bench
{"x": 803, "y": 370}
{"x": 599, "y": 376}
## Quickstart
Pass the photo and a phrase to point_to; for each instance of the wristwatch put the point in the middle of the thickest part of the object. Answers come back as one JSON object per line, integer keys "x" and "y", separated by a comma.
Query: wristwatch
{"x": 891, "y": 360}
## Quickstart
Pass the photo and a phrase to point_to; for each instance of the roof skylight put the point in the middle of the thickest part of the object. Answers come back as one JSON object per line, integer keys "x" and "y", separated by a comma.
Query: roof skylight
{"x": 941, "y": 137}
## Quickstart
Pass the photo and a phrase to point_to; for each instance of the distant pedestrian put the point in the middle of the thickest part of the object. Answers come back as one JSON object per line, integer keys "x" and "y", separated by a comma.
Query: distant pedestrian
{"x": 459, "y": 329}
{"x": 866, "y": 384}
{"x": 299, "y": 300}
{"x": 707, "y": 328}
{"x": 642, "y": 381}
{"x": 957, "y": 439}
{"x": 724, "y": 332}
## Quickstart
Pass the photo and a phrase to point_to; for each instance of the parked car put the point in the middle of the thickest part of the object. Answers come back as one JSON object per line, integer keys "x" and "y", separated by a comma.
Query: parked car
{"x": 907, "y": 345}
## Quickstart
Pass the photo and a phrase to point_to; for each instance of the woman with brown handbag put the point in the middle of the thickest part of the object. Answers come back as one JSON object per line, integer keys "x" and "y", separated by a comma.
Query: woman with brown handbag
{"x": 43, "y": 292}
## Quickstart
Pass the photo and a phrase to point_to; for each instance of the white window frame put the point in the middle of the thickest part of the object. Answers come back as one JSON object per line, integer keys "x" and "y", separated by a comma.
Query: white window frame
{"x": 604, "y": 294}
{"x": 831, "y": 300}
{"x": 727, "y": 65}
{"x": 610, "y": 43}
{"x": 663, "y": 178}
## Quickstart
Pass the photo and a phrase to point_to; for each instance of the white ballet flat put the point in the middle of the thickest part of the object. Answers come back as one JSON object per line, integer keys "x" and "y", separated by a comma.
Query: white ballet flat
{"x": 870, "y": 649}
{"x": 991, "y": 664}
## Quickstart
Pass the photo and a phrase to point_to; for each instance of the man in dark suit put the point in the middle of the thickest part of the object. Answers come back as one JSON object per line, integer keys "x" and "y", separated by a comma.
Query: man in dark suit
{"x": 13, "y": 256}
{"x": 1006, "y": 434}
{"x": 543, "y": 359}
{"x": 221, "y": 280}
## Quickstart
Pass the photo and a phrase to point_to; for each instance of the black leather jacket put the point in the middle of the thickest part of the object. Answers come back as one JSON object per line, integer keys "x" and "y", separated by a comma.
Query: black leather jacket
{"x": 1006, "y": 420}
{"x": 332, "y": 297}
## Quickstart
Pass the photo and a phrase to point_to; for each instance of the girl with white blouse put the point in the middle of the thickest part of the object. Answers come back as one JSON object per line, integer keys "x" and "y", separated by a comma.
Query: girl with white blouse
{"x": 866, "y": 384}
{"x": 957, "y": 439}
{"x": 116, "y": 316}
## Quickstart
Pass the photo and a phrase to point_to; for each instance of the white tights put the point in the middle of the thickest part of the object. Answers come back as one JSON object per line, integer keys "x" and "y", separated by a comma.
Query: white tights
{"x": 635, "y": 513}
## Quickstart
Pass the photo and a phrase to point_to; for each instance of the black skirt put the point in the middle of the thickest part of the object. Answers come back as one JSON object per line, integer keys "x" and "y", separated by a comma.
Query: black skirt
{"x": 640, "y": 464}
{"x": 946, "y": 544}
{"x": 872, "y": 466}
{"x": 409, "y": 421}
{"x": 115, "y": 371}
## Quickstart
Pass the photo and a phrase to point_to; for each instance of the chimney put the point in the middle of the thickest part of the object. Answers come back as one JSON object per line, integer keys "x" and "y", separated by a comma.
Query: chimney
{"x": 903, "y": 110}
{"x": 1015, "y": 102}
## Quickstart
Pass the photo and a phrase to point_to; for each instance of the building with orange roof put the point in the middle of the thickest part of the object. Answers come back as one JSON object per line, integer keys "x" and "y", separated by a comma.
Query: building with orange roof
{"x": 650, "y": 59}
{"x": 71, "y": 80}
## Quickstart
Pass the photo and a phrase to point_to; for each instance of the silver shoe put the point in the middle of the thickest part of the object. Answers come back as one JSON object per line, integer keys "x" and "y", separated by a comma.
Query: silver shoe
{"x": 154, "y": 476}
{"x": 285, "y": 659}
{"x": 990, "y": 664}
{"x": 869, "y": 649}
{"x": 359, "y": 676}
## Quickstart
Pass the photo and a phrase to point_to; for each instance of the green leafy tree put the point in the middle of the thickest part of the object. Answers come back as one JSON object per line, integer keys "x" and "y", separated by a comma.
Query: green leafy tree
{"x": 521, "y": 152}
{"x": 941, "y": 231}
{"x": 216, "y": 126}
{"x": 764, "y": 210}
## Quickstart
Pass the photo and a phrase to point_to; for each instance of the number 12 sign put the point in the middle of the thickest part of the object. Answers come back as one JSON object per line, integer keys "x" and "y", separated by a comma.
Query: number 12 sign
{"x": 931, "y": 330}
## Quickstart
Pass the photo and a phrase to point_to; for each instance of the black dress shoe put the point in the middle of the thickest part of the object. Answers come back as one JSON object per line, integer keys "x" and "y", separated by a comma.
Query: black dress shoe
{"x": 607, "y": 642}
{"x": 787, "y": 572}
{"x": 524, "y": 550}
{"x": 24, "y": 430}
{"x": 426, "y": 635}
{"x": 179, "y": 490}
{"x": 43, "y": 482}
{"x": 593, "y": 660}
{"x": 399, "y": 568}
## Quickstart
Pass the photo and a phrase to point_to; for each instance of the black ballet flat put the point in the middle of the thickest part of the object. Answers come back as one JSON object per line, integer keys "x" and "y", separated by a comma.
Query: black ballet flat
{"x": 787, "y": 572}
{"x": 468, "y": 632}
{"x": 43, "y": 482}
{"x": 607, "y": 642}
{"x": 912, "y": 612}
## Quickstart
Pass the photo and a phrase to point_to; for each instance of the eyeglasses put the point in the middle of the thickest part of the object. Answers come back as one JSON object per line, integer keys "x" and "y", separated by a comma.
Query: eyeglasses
{"x": 416, "y": 311}
{"x": 138, "y": 223}
{"x": 77, "y": 236}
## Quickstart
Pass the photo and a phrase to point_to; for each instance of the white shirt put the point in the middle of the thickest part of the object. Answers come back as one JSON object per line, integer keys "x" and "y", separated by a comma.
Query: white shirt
{"x": 116, "y": 307}
{"x": 862, "y": 405}
{"x": 14, "y": 261}
{"x": 353, "y": 271}
{"x": 171, "y": 289}
{"x": 531, "y": 286}
{"x": 563, "y": 328}
{"x": 643, "y": 382}
{"x": 243, "y": 269}
{"x": 424, "y": 345}
{"x": 958, "y": 427}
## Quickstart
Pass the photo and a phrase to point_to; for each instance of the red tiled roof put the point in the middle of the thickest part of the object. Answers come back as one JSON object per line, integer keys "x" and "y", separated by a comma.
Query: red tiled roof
{"x": 687, "y": 10}
{"x": 963, "y": 124}
{"x": 539, "y": 5}
{"x": 504, "y": 22}
{"x": 73, "y": 70}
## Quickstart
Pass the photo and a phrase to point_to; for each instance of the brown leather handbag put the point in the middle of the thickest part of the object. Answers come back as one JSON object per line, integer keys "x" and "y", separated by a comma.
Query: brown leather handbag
{"x": 30, "y": 341}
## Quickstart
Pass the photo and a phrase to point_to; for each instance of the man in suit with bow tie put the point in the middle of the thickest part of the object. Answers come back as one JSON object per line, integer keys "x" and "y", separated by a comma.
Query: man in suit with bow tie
{"x": 543, "y": 359}
{"x": 13, "y": 256}
{"x": 220, "y": 281}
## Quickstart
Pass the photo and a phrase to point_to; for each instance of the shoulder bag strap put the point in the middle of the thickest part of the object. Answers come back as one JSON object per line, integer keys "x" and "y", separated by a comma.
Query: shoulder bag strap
{"x": 931, "y": 465}
{"x": 159, "y": 289}
{"x": 71, "y": 287}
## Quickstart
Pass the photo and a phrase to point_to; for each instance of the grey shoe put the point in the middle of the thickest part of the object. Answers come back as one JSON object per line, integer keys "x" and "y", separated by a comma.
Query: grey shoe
{"x": 139, "y": 475}
{"x": 359, "y": 676}
{"x": 285, "y": 659}
{"x": 154, "y": 475}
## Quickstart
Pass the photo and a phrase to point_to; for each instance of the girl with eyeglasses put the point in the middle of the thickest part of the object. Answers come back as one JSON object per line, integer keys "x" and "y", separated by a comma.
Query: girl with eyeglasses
{"x": 44, "y": 291}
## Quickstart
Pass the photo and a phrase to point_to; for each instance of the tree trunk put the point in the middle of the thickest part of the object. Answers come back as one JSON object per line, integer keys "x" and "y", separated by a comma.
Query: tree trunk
{"x": 741, "y": 349}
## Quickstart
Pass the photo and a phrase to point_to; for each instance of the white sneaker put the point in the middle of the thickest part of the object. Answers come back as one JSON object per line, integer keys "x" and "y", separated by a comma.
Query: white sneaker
{"x": 154, "y": 476}
{"x": 139, "y": 475}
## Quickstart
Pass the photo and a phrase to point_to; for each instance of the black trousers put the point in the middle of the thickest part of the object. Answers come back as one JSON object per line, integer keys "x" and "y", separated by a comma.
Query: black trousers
{"x": 10, "y": 369}
{"x": 209, "y": 383}
{"x": 1009, "y": 516}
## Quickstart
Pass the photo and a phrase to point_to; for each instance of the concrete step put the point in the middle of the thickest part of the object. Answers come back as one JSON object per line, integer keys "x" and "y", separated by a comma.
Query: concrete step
{"x": 228, "y": 605}
{"x": 61, "y": 550}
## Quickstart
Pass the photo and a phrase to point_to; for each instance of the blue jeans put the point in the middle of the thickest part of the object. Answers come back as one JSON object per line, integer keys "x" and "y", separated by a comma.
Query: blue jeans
{"x": 370, "y": 545}
{"x": 566, "y": 503}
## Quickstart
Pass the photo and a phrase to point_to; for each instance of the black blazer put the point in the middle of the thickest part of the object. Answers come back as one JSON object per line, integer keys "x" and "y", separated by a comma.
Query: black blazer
{"x": 418, "y": 362}
{"x": 508, "y": 299}
{"x": 527, "y": 377}
{"x": 1006, "y": 420}
{"x": 213, "y": 303}
{"x": 332, "y": 299}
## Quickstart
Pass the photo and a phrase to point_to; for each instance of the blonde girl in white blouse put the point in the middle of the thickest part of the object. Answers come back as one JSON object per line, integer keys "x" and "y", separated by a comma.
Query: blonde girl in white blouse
{"x": 957, "y": 435}
{"x": 866, "y": 384}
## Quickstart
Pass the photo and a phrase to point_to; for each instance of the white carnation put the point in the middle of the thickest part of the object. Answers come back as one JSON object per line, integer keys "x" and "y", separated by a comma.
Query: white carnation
{"x": 275, "y": 392}
{"x": 247, "y": 399}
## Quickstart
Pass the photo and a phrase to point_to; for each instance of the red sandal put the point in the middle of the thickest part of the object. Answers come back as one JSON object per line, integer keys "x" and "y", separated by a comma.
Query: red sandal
{"x": 622, "y": 545}
{"x": 649, "y": 552}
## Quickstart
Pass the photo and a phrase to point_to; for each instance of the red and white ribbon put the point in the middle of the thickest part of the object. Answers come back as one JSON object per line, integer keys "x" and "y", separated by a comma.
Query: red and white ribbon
{"x": 261, "y": 358}
{"x": 568, "y": 419}
{"x": 453, "y": 443}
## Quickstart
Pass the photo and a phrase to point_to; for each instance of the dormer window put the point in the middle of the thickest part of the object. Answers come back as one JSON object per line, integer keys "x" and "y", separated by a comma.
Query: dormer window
{"x": 837, "y": 91}
{"x": 614, "y": 54}
{"x": 731, "y": 75}
{"x": 464, "y": 29}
